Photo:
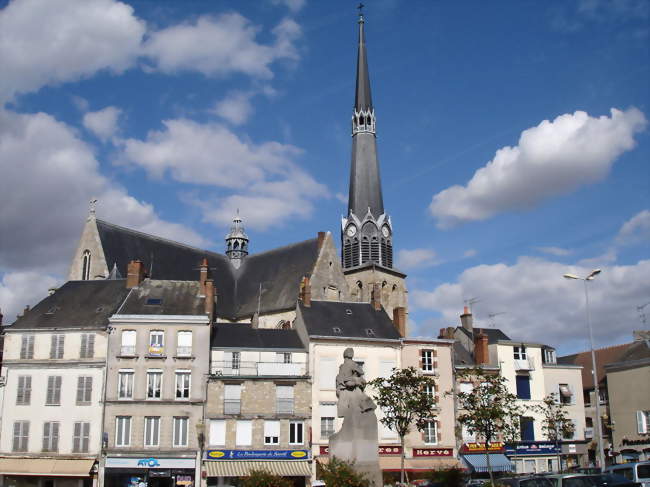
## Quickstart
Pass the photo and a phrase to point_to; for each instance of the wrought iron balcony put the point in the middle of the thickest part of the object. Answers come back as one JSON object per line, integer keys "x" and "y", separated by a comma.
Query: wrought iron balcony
{"x": 259, "y": 369}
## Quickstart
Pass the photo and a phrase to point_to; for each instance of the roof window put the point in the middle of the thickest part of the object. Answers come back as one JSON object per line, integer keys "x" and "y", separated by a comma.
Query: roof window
{"x": 52, "y": 310}
{"x": 348, "y": 311}
{"x": 336, "y": 330}
{"x": 153, "y": 301}
{"x": 370, "y": 332}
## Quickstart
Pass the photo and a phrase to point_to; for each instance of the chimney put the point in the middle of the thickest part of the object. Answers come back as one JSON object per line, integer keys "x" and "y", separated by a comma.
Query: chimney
{"x": 1, "y": 316}
{"x": 135, "y": 274}
{"x": 305, "y": 292}
{"x": 481, "y": 356}
{"x": 375, "y": 298}
{"x": 26, "y": 310}
{"x": 447, "y": 333}
{"x": 399, "y": 320}
{"x": 209, "y": 297}
{"x": 321, "y": 240}
{"x": 466, "y": 319}
{"x": 203, "y": 276}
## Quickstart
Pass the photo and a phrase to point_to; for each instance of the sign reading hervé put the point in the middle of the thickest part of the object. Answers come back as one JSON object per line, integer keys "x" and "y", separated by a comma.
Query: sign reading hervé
{"x": 257, "y": 455}
{"x": 382, "y": 450}
{"x": 433, "y": 452}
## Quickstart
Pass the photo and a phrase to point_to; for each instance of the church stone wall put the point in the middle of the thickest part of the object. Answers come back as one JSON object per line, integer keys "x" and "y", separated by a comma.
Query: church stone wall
{"x": 89, "y": 241}
{"x": 327, "y": 280}
{"x": 393, "y": 288}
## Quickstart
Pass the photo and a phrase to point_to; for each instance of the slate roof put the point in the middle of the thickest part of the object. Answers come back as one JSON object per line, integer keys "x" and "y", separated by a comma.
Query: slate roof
{"x": 462, "y": 356}
{"x": 493, "y": 334}
{"x": 604, "y": 356}
{"x": 238, "y": 335}
{"x": 154, "y": 297}
{"x": 76, "y": 304}
{"x": 237, "y": 289}
{"x": 352, "y": 319}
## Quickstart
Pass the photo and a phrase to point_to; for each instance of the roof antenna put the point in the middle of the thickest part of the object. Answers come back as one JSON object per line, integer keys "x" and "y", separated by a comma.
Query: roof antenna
{"x": 471, "y": 302}
{"x": 641, "y": 311}
{"x": 493, "y": 323}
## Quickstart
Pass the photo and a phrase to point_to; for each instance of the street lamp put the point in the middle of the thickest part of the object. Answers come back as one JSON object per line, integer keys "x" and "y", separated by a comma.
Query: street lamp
{"x": 590, "y": 277}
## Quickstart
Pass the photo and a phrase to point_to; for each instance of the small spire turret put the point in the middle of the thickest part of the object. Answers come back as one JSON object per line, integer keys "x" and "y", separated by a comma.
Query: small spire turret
{"x": 236, "y": 242}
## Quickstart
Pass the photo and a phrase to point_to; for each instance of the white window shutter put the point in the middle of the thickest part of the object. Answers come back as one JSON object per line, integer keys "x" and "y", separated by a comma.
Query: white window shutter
{"x": 232, "y": 391}
{"x": 272, "y": 428}
{"x": 642, "y": 426}
{"x": 284, "y": 392}
{"x": 217, "y": 432}
{"x": 327, "y": 371}
{"x": 244, "y": 433}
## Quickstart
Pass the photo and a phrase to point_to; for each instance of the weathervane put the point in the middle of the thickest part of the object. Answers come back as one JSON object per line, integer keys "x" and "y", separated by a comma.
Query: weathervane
{"x": 360, "y": 7}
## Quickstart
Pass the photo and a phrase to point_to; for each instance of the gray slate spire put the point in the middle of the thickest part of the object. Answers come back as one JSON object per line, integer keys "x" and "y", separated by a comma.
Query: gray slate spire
{"x": 367, "y": 231}
{"x": 236, "y": 242}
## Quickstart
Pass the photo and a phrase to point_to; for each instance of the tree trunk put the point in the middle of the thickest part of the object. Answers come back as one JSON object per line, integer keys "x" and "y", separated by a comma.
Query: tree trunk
{"x": 559, "y": 456}
{"x": 401, "y": 474}
{"x": 489, "y": 467}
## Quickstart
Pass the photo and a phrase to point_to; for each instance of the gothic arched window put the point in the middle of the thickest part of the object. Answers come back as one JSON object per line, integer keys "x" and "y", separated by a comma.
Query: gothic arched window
{"x": 85, "y": 265}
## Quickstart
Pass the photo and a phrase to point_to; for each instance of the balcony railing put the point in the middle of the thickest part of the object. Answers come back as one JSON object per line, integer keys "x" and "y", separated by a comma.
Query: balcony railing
{"x": 259, "y": 369}
{"x": 127, "y": 350}
{"x": 284, "y": 406}
{"x": 231, "y": 406}
{"x": 589, "y": 433}
{"x": 524, "y": 364}
{"x": 183, "y": 351}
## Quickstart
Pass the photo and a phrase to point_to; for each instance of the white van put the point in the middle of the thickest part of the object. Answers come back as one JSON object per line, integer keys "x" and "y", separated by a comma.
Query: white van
{"x": 637, "y": 472}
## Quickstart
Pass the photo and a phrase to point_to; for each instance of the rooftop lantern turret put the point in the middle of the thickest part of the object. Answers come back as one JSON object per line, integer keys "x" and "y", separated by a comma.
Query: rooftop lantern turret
{"x": 236, "y": 242}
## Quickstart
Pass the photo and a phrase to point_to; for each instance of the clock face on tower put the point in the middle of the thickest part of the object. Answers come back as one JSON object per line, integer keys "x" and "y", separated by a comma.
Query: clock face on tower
{"x": 351, "y": 231}
{"x": 385, "y": 231}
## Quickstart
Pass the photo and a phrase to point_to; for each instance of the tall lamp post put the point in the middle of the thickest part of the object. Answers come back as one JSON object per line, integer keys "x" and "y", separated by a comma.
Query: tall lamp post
{"x": 590, "y": 277}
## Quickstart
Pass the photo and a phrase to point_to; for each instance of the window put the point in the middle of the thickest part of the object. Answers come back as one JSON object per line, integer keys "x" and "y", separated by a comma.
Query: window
{"x": 643, "y": 422}
{"x": 81, "y": 438}
{"x": 151, "y": 430}
{"x": 232, "y": 399}
{"x": 128, "y": 343}
{"x": 156, "y": 342}
{"x": 123, "y": 431}
{"x": 53, "y": 395}
{"x": 21, "y": 436}
{"x": 523, "y": 387}
{"x": 430, "y": 391}
{"x": 184, "y": 344}
{"x": 465, "y": 387}
{"x": 565, "y": 394}
{"x": 271, "y": 432}
{"x": 85, "y": 265}
{"x": 27, "y": 347}
{"x": 326, "y": 427}
{"x": 183, "y": 384}
{"x": 296, "y": 433}
{"x": 51, "y": 436}
{"x": 430, "y": 433}
{"x": 125, "y": 384}
{"x": 527, "y": 428}
{"x": 549, "y": 356}
{"x": 236, "y": 360}
{"x": 426, "y": 360}
{"x": 56, "y": 346}
{"x": 244, "y": 435}
{"x": 283, "y": 358}
{"x": 24, "y": 394}
{"x": 87, "y": 345}
{"x": 217, "y": 432}
{"x": 284, "y": 397}
{"x": 154, "y": 384}
{"x": 84, "y": 390}
{"x": 519, "y": 353}
{"x": 328, "y": 372}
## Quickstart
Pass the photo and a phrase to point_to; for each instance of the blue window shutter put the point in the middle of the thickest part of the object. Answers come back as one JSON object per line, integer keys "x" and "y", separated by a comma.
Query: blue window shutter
{"x": 523, "y": 387}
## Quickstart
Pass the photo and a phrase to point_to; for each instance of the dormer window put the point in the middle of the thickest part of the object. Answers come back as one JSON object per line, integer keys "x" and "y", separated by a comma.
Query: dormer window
{"x": 370, "y": 333}
{"x": 336, "y": 330}
{"x": 85, "y": 265}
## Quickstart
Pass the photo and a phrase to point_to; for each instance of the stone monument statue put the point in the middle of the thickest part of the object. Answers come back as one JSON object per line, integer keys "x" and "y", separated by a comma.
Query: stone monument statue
{"x": 356, "y": 442}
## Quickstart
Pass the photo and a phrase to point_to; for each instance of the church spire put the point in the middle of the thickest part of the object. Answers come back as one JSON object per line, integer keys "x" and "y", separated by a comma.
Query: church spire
{"x": 236, "y": 242}
{"x": 366, "y": 232}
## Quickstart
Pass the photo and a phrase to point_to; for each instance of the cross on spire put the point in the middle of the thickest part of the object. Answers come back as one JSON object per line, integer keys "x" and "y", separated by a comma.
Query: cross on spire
{"x": 360, "y": 7}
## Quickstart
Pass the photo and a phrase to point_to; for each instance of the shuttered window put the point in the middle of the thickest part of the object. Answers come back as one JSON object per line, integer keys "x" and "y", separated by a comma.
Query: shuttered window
{"x": 217, "y": 432}
{"x": 56, "y": 346}
{"x": 271, "y": 432}
{"x": 84, "y": 390}
{"x": 24, "y": 394}
{"x": 244, "y": 436}
{"x": 81, "y": 438}
{"x": 184, "y": 344}
{"x": 180, "y": 431}
{"x": 53, "y": 396}
{"x": 51, "y": 436}
{"x": 27, "y": 347}
{"x": 326, "y": 368}
{"x": 21, "y": 436}
{"x": 87, "y": 345}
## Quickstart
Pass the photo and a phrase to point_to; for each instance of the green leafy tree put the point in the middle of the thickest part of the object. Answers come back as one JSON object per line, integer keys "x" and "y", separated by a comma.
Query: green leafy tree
{"x": 511, "y": 431}
{"x": 407, "y": 400}
{"x": 487, "y": 410}
{"x": 262, "y": 478}
{"x": 556, "y": 424}
{"x": 338, "y": 473}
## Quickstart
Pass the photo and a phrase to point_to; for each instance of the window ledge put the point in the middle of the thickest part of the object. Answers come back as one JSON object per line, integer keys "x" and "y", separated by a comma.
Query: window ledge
{"x": 184, "y": 357}
{"x": 156, "y": 356}
{"x": 128, "y": 356}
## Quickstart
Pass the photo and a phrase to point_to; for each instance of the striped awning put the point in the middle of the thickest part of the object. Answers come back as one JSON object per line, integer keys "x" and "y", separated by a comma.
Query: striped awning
{"x": 243, "y": 468}
{"x": 498, "y": 461}
{"x": 45, "y": 466}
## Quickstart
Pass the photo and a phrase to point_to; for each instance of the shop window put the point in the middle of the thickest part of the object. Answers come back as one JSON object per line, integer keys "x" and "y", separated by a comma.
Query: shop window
{"x": 271, "y": 432}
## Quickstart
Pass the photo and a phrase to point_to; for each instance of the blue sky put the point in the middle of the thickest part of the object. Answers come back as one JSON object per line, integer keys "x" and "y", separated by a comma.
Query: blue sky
{"x": 512, "y": 137}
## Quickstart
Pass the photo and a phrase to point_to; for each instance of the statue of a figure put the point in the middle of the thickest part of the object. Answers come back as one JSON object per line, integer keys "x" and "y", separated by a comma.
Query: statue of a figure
{"x": 356, "y": 441}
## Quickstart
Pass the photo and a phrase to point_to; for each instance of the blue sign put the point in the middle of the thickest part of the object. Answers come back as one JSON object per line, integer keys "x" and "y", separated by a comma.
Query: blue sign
{"x": 257, "y": 455}
{"x": 148, "y": 462}
{"x": 532, "y": 448}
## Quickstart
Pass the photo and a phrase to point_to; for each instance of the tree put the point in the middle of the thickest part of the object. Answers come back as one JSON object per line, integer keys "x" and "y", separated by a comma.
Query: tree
{"x": 338, "y": 473}
{"x": 262, "y": 478}
{"x": 407, "y": 399}
{"x": 511, "y": 431}
{"x": 488, "y": 409}
{"x": 555, "y": 422}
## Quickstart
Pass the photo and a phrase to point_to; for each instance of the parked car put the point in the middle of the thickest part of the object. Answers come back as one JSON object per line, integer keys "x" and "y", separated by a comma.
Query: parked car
{"x": 529, "y": 481}
{"x": 571, "y": 480}
{"x": 636, "y": 472}
{"x": 613, "y": 480}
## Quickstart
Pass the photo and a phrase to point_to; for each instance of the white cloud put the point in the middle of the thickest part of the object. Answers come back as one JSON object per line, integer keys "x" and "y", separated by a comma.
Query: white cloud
{"x": 218, "y": 46}
{"x": 64, "y": 40}
{"x": 551, "y": 159}
{"x": 20, "y": 289}
{"x": 416, "y": 258}
{"x": 557, "y": 251}
{"x": 293, "y": 5}
{"x": 536, "y": 297}
{"x": 103, "y": 123}
{"x": 235, "y": 107}
{"x": 635, "y": 230}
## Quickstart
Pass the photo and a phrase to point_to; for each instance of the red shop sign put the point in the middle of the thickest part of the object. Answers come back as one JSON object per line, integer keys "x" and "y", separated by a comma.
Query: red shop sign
{"x": 383, "y": 450}
{"x": 433, "y": 452}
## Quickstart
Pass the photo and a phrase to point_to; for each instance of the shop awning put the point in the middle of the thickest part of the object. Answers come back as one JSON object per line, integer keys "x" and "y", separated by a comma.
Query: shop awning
{"x": 45, "y": 466}
{"x": 498, "y": 461}
{"x": 242, "y": 468}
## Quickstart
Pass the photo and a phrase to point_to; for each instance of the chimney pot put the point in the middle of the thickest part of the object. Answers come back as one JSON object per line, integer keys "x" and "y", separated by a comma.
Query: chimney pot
{"x": 135, "y": 273}
{"x": 467, "y": 320}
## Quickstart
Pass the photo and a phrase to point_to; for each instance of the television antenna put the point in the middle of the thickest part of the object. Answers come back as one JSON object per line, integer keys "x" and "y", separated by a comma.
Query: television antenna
{"x": 471, "y": 302}
{"x": 641, "y": 311}
{"x": 493, "y": 323}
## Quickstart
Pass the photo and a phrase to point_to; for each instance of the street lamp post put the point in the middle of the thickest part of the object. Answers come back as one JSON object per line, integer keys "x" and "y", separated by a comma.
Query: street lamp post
{"x": 590, "y": 277}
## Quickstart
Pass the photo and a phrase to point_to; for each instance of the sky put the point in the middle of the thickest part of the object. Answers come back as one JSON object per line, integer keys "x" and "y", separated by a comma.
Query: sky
{"x": 512, "y": 136}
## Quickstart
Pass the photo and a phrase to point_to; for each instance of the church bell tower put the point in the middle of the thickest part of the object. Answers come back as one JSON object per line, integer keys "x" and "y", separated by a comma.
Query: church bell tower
{"x": 367, "y": 230}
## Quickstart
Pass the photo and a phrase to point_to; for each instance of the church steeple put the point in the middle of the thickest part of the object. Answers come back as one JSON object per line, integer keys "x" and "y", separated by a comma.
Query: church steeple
{"x": 236, "y": 242}
{"x": 366, "y": 232}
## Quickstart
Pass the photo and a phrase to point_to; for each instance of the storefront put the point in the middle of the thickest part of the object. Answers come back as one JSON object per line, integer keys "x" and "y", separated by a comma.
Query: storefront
{"x": 229, "y": 467}
{"x": 475, "y": 458}
{"x": 632, "y": 451}
{"x": 574, "y": 455}
{"x": 149, "y": 472}
{"x": 47, "y": 472}
{"x": 534, "y": 456}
